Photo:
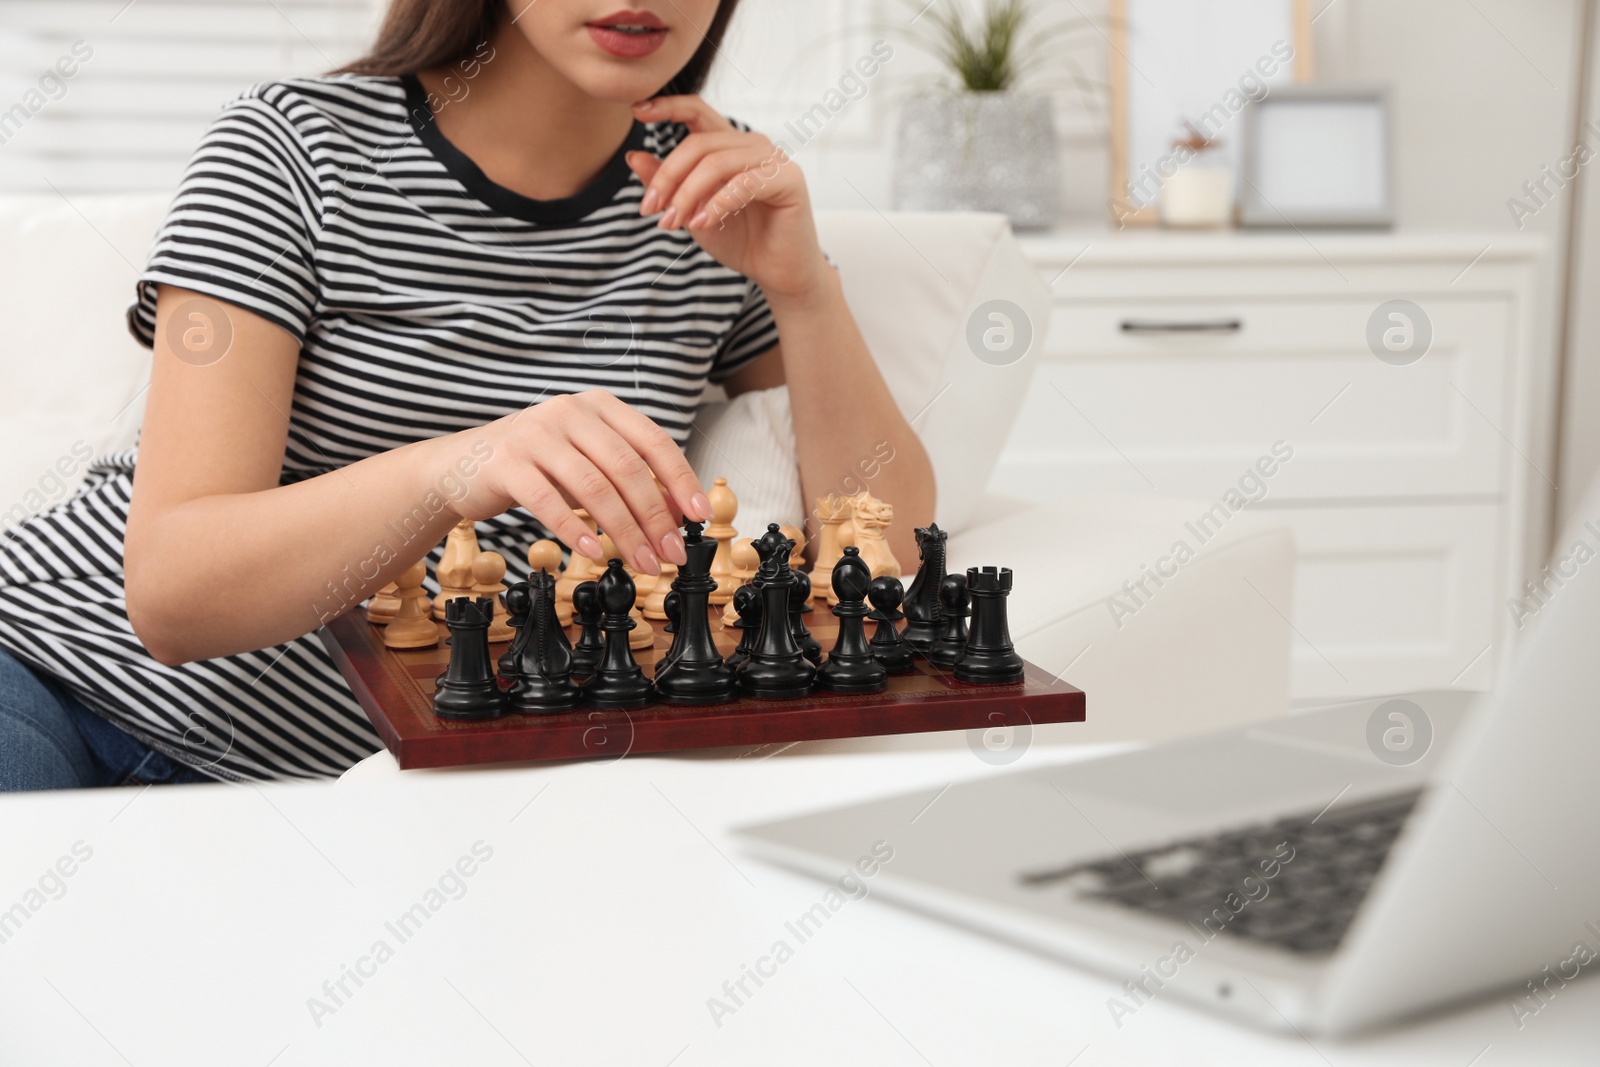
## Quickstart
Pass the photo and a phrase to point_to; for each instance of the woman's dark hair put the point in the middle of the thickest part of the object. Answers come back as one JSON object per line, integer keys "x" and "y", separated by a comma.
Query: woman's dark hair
{"x": 417, "y": 35}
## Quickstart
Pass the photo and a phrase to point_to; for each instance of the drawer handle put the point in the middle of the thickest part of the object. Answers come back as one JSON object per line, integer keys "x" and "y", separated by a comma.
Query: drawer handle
{"x": 1182, "y": 325}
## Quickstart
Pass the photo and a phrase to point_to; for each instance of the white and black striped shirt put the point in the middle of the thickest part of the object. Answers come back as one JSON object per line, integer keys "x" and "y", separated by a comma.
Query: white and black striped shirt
{"x": 426, "y": 300}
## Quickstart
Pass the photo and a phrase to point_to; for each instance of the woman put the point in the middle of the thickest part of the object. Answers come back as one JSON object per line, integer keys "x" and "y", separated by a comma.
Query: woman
{"x": 483, "y": 273}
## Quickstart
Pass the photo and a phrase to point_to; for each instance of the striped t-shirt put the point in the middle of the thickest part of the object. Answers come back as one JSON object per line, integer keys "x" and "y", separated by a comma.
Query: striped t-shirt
{"x": 426, "y": 299}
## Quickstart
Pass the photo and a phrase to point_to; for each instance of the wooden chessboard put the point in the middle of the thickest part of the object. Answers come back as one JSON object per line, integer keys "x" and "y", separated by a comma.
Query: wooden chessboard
{"x": 396, "y": 689}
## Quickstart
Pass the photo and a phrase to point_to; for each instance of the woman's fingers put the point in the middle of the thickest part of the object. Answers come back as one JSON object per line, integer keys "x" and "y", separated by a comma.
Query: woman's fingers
{"x": 590, "y": 486}
{"x": 645, "y": 166}
{"x": 652, "y": 532}
{"x": 690, "y": 110}
{"x": 591, "y": 451}
{"x": 724, "y": 182}
{"x": 662, "y": 187}
{"x": 661, "y": 453}
{"x": 546, "y": 503}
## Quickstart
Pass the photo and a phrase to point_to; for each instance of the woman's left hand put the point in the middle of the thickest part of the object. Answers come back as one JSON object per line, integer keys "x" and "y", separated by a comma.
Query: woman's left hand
{"x": 739, "y": 196}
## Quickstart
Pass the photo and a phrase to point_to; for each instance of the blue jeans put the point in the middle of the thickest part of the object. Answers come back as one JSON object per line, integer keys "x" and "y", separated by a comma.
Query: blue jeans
{"x": 48, "y": 740}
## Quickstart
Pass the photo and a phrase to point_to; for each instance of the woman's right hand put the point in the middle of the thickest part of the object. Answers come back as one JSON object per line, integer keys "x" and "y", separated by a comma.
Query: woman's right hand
{"x": 582, "y": 450}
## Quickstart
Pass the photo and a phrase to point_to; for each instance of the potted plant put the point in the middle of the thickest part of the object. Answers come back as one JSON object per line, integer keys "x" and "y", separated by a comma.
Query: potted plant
{"x": 984, "y": 138}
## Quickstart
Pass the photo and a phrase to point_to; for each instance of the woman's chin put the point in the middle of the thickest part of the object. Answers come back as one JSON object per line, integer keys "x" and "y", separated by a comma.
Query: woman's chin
{"x": 623, "y": 81}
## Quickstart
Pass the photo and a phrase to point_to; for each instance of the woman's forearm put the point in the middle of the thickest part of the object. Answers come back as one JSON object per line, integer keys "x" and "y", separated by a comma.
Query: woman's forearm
{"x": 849, "y": 432}
{"x": 230, "y": 573}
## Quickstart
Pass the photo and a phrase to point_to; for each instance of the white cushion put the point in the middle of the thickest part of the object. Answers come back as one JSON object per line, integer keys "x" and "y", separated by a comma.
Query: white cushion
{"x": 73, "y": 373}
{"x": 1206, "y": 648}
{"x": 750, "y": 441}
{"x": 912, "y": 281}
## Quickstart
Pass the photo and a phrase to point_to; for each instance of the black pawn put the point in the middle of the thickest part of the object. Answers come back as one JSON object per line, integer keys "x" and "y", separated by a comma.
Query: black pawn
{"x": 799, "y": 604}
{"x": 924, "y": 618}
{"x": 468, "y": 688}
{"x": 543, "y": 683}
{"x": 952, "y": 641}
{"x": 776, "y": 668}
{"x": 747, "y": 605}
{"x": 851, "y": 666}
{"x": 887, "y": 644}
{"x": 694, "y": 672}
{"x": 591, "y": 646}
{"x": 619, "y": 683}
{"x": 518, "y": 604}
{"x": 989, "y": 658}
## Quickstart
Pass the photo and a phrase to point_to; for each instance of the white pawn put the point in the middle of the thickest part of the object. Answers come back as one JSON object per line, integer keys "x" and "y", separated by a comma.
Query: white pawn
{"x": 724, "y": 506}
{"x": 412, "y": 626}
{"x": 489, "y": 579}
{"x": 455, "y": 565}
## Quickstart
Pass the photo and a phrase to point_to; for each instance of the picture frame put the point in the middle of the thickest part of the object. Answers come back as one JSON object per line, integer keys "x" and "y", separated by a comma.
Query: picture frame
{"x": 1318, "y": 157}
{"x": 1171, "y": 60}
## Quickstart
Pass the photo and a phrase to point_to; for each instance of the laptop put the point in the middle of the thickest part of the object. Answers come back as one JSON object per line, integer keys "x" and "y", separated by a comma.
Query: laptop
{"x": 1328, "y": 872}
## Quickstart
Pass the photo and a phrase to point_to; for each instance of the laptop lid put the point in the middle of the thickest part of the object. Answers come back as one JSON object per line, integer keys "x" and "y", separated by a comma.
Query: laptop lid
{"x": 1497, "y": 878}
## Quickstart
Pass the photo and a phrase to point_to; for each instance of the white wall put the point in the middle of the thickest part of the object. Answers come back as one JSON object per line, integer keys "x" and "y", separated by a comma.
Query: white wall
{"x": 1580, "y": 444}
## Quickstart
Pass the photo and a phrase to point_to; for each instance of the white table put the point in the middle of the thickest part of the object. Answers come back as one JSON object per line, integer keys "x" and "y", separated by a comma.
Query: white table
{"x": 613, "y": 906}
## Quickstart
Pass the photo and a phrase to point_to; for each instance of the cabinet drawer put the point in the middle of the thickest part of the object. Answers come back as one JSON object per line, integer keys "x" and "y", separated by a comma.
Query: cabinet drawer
{"x": 1182, "y": 396}
{"x": 1389, "y": 599}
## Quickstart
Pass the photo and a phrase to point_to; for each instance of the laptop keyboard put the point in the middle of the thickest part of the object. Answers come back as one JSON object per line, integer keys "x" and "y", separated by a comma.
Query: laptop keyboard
{"x": 1295, "y": 883}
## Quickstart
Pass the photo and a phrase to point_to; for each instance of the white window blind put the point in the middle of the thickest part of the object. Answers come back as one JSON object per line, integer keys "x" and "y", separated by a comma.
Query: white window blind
{"x": 146, "y": 77}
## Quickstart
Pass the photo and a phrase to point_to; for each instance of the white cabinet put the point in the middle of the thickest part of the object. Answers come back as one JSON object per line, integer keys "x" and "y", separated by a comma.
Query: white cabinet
{"x": 1418, "y": 484}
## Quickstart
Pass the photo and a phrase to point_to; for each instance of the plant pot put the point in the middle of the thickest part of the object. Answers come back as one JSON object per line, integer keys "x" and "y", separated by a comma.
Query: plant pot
{"x": 979, "y": 152}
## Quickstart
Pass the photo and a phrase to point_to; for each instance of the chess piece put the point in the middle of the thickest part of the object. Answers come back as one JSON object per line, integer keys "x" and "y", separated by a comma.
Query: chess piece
{"x": 832, "y": 512}
{"x": 797, "y": 562}
{"x": 384, "y": 605}
{"x": 851, "y": 666}
{"x": 467, "y": 689}
{"x": 518, "y": 605}
{"x": 747, "y": 602}
{"x": 591, "y": 646}
{"x": 413, "y": 625}
{"x": 871, "y": 518}
{"x": 619, "y": 683}
{"x": 580, "y": 568}
{"x": 643, "y": 585}
{"x": 655, "y": 606}
{"x": 745, "y": 562}
{"x": 888, "y": 646}
{"x": 776, "y": 667}
{"x": 543, "y": 683}
{"x": 989, "y": 658}
{"x": 455, "y": 565}
{"x": 489, "y": 580}
{"x": 797, "y": 554}
{"x": 694, "y": 672}
{"x": 672, "y": 607}
{"x": 545, "y": 556}
{"x": 799, "y": 604}
{"x": 643, "y": 635}
{"x": 952, "y": 639}
{"x": 923, "y": 618}
{"x": 766, "y": 544}
{"x": 724, "y": 506}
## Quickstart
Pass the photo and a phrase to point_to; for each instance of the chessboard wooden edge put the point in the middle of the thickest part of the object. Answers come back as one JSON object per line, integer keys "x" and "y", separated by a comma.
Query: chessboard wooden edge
{"x": 590, "y": 733}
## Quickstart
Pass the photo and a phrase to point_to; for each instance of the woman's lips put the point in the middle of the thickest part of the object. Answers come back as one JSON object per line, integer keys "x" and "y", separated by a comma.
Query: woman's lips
{"x": 625, "y": 43}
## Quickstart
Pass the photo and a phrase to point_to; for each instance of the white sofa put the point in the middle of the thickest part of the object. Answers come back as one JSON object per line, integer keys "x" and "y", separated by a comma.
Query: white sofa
{"x": 1207, "y": 648}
